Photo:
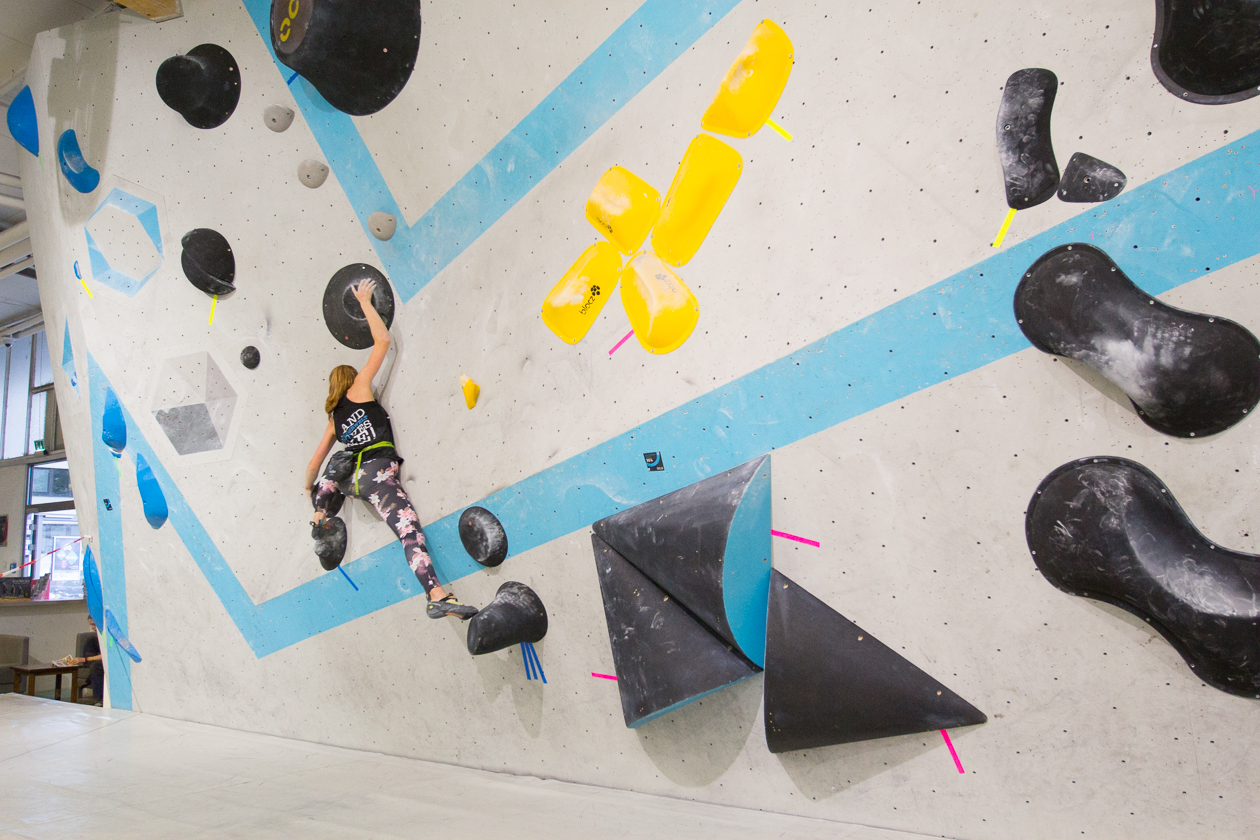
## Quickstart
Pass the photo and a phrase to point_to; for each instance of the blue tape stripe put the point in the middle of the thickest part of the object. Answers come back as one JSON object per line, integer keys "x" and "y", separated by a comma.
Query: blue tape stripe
{"x": 635, "y": 54}
{"x": 109, "y": 535}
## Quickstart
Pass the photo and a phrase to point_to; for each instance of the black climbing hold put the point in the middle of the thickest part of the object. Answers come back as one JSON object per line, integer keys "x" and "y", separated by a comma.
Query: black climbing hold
{"x": 828, "y": 681}
{"x": 1187, "y": 374}
{"x": 663, "y": 656}
{"x": 1109, "y": 529}
{"x": 707, "y": 545}
{"x": 342, "y": 313}
{"x": 250, "y": 357}
{"x": 1088, "y": 179}
{"x": 1207, "y": 52}
{"x": 1023, "y": 137}
{"x": 357, "y": 55}
{"x": 483, "y": 536}
{"x": 208, "y": 262}
{"x": 516, "y": 615}
{"x": 330, "y": 541}
{"x": 203, "y": 86}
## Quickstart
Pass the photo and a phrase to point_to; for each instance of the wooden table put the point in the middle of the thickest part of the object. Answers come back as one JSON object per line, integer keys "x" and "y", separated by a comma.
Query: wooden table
{"x": 37, "y": 670}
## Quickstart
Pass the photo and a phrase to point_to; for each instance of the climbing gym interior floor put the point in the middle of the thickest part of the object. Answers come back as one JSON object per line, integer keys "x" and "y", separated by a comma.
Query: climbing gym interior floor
{"x": 80, "y": 771}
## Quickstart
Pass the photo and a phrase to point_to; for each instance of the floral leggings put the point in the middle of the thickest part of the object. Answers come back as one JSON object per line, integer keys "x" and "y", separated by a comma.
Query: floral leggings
{"x": 379, "y": 487}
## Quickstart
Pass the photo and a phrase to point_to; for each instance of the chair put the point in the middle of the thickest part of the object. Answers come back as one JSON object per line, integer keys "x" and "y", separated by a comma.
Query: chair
{"x": 14, "y": 650}
{"x": 80, "y": 643}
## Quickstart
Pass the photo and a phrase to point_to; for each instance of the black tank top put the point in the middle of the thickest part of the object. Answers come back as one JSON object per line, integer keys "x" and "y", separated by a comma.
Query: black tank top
{"x": 360, "y": 425}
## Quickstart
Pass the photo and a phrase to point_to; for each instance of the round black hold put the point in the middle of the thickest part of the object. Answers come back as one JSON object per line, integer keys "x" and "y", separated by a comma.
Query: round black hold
{"x": 359, "y": 56}
{"x": 342, "y": 313}
{"x": 208, "y": 262}
{"x": 203, "y": 86}
{"x": 250, "y": 357}
{"x": 330, "y": 542}
{"x": 516, "y": 615}
{"x": 483, "y": 536}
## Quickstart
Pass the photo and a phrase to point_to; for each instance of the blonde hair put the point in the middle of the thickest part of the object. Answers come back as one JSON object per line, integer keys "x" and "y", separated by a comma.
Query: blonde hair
{"x": 339, "y": 381}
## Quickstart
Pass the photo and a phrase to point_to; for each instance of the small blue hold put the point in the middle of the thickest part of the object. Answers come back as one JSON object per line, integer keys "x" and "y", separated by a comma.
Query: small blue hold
{"x": 150, "y": 493}
{"x": 80, "y": 176}
{"x": 92, "y": 588}
{"x": 22, "y": 123}
{"x": 111, "y": 626}
{"x": 113, "y": 427}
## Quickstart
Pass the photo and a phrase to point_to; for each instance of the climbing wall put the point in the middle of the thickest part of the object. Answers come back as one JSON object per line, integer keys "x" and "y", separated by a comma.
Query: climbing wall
{"x": 849, "y": 311}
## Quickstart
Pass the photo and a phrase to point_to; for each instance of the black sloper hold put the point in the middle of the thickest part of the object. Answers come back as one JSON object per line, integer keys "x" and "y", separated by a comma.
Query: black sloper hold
{"x": 1187, "y": 374}
{"x": 250, "y": 357}
{"x": 359, "y": 56}
{"x": 1109, "y": 529}
{"x": 483, "y": 536}
{"x": 330, "y": 542}
{"x": 1207, "y": 52}
{"x": 516, "y": 615}
{"x": 1023, "y": 137}
{"x": 208, "y": 262}
{"x": 828, "y": 681}
{"x": 342, "y": 313}
{"x": 1088, "y": 179}
{"x": 203, "y": 85}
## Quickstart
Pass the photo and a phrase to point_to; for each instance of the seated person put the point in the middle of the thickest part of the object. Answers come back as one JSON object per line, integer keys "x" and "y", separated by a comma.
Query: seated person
{"x": 94, "y": 660}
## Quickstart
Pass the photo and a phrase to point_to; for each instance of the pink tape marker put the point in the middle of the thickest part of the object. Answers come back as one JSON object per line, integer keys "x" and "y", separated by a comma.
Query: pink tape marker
{"x": 604, "y": 676}
{"x": 617, "y": 346}
{"x": 950, "y": 744}
{"x": 788, "y": 536}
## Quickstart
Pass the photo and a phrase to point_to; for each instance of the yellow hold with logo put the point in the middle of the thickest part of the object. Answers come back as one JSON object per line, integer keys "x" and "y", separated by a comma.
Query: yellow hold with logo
{"x": 623, "y": 207}
{"x": 662, "y": 310}
{"x": 704, "y": 180}
{"x": 753, "y": 85}
{"x": 574, "y": 303}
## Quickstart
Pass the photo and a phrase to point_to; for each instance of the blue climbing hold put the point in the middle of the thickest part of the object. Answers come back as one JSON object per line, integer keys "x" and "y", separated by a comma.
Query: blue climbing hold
{"x": 113, "y": 427}
{"x": 92, "y": 588}
{"x": 81, "y": 176}
{"x": 22, "y": 123}
{"x": 111, "y": 627}
{"x": 150, "y": 493}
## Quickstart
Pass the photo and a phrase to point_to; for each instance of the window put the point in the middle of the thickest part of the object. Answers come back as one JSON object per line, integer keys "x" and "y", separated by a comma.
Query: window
{"x": 53, "y": 551}
{"x": 29, "y": 413}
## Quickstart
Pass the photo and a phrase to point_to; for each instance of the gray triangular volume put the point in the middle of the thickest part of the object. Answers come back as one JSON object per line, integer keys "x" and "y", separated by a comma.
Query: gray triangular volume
{"x": 828, "y": 681}
{"x": 664, "y": 657}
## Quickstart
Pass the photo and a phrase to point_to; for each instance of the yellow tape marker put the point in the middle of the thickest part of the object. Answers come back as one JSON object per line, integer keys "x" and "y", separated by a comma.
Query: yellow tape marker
{"x": 997, "y": 243}
{"x": 212, "y": 306}
{"x": 782, "y": 133}
{"x": 86, "y": 289}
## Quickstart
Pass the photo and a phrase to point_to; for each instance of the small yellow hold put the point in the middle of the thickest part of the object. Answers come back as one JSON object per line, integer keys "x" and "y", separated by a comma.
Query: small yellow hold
{"x": 471, "y": 391}
{"x": 662, "y": 310}
{"x": 753, "y": 85}
{"x": 574, "y": 303}
{"x": 705, "y": 178}
{"x": 623, "y": 207}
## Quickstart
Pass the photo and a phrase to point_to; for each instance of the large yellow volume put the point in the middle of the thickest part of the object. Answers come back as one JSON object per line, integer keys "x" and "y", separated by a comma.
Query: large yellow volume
{"x": 753, "y": 85}
{"x": 576, "y": 300}
{"x": 623, "y": 207}
{"x": 662, "y": 310}
{"x": 704, "y": 180}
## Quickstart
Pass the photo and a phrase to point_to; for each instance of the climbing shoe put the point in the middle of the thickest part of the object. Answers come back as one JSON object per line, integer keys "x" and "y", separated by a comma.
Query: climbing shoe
{"x": 449, "y": 606}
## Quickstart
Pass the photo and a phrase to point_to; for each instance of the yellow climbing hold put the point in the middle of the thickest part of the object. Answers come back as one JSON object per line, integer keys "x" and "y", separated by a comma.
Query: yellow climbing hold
{"x": 753, "y": 85}
{"x": 471, "y": 391}
{"x": 623, "y": 207}
{"x": 704, "y": 180}
{"x": 576, "y": 300}
{"x": 662, "y": 310}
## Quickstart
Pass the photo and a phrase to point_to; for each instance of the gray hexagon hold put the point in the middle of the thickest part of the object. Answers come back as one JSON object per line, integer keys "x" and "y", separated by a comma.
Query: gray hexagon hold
{"x": 312, "y": 172}
{"x": 382, "y": 225}
{"x": 278, "y": 117}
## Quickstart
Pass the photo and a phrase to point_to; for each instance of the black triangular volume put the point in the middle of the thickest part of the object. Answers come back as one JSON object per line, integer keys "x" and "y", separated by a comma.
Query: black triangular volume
{"x": 664, "y": 657}
{"x": 828, "y": 681}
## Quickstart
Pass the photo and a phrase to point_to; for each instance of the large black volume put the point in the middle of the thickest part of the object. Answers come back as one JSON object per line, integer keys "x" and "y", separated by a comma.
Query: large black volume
{"x": 516, "y": 615}
{"x": 1109, "y": 529}
{"x": 1187, "y": 374}
{"x": 1207, "y": 51}
{"x": 342, "y": 313}
{"x": 203, "y": 85}
{"x": 208, "y": 262}
{"x": 1023, "y": 137}
{"x": 359, "y": 56}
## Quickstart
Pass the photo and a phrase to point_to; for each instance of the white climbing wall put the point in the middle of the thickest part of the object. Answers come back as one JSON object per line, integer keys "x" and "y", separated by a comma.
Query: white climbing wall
{"x": 1096, "y": 726}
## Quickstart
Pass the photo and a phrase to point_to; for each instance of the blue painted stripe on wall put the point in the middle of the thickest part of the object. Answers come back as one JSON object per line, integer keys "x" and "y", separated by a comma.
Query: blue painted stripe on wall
{"x": 649, "y": 41}
{"x": 1158, "y": 233}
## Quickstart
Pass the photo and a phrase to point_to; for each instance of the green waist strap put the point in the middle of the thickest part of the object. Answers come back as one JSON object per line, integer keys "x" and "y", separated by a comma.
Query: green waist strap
{"x": 358, "y": 462}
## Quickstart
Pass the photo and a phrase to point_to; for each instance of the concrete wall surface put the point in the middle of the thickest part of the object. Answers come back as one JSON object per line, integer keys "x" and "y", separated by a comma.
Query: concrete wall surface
{"x": 871, "y": 228}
